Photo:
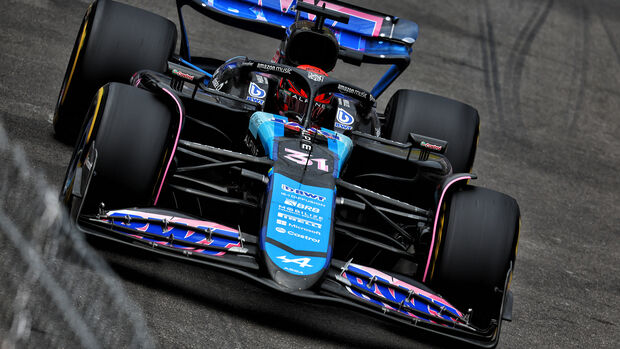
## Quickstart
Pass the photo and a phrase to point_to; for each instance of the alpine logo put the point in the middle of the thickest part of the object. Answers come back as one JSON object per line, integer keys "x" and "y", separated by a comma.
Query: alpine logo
{"x": 302, "y": 262}
{"x": 256, "y": 91}
{"x": 303, "y": 193}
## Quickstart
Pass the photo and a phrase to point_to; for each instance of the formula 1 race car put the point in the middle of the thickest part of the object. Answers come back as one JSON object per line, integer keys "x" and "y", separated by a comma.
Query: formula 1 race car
{"x": 279, "y": 172}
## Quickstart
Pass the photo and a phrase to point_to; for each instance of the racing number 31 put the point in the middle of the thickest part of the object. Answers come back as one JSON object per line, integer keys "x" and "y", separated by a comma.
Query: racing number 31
{"x": 303, "y": 159}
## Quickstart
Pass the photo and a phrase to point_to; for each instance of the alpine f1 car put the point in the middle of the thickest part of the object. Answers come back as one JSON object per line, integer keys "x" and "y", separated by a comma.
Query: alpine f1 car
{"x": 277, "y": 171}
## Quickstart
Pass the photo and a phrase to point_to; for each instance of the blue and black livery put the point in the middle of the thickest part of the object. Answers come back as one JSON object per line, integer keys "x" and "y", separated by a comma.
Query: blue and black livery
{"x": 367, "y": 209}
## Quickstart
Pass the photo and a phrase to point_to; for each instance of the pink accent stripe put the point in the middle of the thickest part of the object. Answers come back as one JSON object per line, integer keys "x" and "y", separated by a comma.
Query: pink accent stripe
{"x": 174, "y": 148}
{"x": 285, "y": 5}
{"x": 430, "y": 250}
{"x": 377, "y": 20}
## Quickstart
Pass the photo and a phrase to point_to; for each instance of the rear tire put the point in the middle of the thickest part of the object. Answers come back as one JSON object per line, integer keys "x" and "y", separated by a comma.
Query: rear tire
{"x": 477, "y": 242}
{"x": 438, "y": 117}
{"x": 115, "y": 40}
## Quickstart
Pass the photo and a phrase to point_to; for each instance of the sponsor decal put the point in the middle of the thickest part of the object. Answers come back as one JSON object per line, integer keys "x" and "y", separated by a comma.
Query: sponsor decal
{"x": 314, "y": 76}
{"x": 299, "y": 220}
{"x": 304, "y": 237}
{"x": 256, "y": 91}
{"x": 305, "y": 134}
{"x": 307, "y": 230}
{"x": 261, "y": 79}
{"x": 344, "y": 118}
{"x": 303, "y": 193}
{"x": 302, "y": 262}
{"x": 430, "y": 146}
{"x": 255, "y": 100}
{"x": 274, "y": 68}
{"x": 344, "y": 127}
{"x": 353, "y": 91}
{"x": 217, "y": 84}
{"x": 302, "y": 158}
{"x": 251, "y": 144}
{"x": 302, "y": 206}
{"x": 183, "y": 75}
{"x": 301, "y": 213}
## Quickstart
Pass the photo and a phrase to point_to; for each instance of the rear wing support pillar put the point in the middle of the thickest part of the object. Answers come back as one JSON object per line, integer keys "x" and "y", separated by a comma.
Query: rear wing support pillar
{"x": 386, "y": 80}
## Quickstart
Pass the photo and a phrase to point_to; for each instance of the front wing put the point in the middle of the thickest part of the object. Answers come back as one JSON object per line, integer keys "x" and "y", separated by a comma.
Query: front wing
{"x": 396, "y": 298}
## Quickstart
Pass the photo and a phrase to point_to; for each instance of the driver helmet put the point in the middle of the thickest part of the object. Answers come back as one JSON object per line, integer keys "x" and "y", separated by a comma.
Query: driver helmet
{"x": 293, "y": 100}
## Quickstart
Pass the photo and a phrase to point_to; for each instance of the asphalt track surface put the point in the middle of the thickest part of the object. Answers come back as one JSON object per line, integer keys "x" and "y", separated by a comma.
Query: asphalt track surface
{"x": 545, "y": 76}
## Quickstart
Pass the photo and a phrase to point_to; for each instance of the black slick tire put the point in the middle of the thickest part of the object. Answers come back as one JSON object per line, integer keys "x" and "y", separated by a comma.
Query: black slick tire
{"x": 438, "y": 117}
{"x": 477, "y": 240}
{"x": 130, "y": 130}
{"x": 114, "y": 41}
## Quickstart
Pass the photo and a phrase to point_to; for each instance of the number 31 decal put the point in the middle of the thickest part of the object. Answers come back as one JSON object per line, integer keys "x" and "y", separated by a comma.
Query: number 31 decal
{"x": 301, "y": 158}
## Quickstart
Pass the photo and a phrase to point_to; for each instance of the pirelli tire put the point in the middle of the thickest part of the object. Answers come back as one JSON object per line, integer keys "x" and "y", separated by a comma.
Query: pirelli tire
{"x": 477, "y": 239}
{"x": 438, "y": 117}
{"x": 114, "y": 41}
{"x": 129, "y": 129}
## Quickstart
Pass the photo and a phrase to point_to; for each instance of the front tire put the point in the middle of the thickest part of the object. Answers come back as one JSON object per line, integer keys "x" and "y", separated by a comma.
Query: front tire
{"x": 115, "y": 40}
{"x": 477, "y": 242}
{"x": 130, "y": 129}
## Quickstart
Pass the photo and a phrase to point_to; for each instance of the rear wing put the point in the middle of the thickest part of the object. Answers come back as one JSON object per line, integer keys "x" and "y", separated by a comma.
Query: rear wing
{"x": 368, "y": 37}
